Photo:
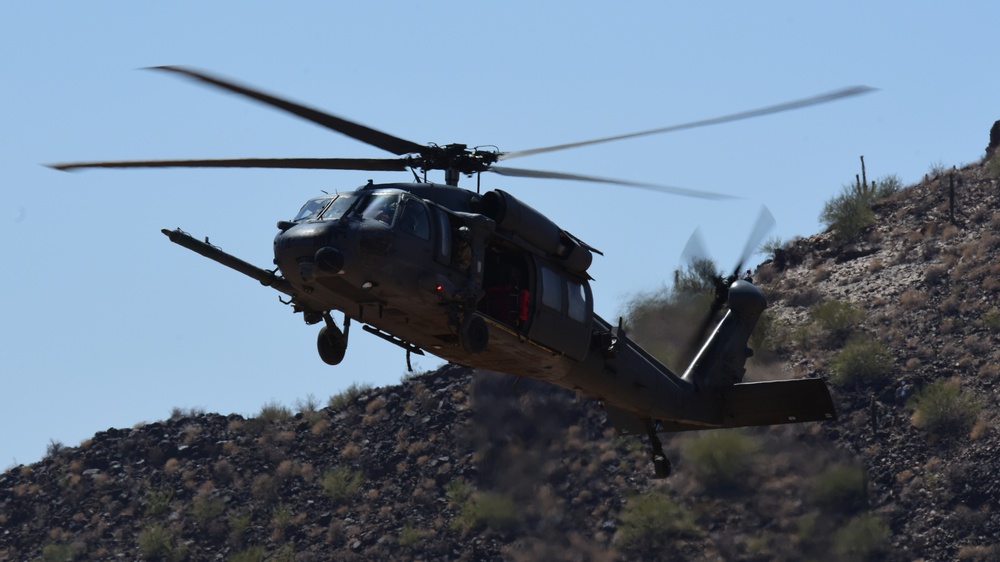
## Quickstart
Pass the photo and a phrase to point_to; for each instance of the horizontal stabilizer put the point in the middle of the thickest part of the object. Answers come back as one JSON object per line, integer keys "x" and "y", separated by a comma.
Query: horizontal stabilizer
{"x": 770, "y": 403}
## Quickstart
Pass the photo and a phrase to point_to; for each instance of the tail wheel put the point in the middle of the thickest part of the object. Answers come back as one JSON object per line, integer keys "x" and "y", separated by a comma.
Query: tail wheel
{"x": 474, "y": 334}
{"x": 331, "y": 344}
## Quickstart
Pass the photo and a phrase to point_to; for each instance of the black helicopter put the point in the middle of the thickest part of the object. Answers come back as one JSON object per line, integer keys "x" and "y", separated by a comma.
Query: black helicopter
{"x": 485, "y": 280}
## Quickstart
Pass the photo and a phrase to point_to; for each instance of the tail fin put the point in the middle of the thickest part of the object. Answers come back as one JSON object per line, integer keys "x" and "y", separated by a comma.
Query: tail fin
{"x": 719, "y": 367}
{"x": 721, "y": 361}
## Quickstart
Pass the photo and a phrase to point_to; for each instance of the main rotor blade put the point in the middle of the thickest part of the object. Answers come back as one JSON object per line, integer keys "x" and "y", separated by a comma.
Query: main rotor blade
{"x": 787, "y": 106}
{"x": 367, "y": 164}
{"x": 354, "y": 130}
{"x": 518, "y": 172}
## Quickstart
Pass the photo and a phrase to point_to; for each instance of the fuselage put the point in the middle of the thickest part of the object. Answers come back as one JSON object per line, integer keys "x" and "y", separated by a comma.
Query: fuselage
{"x": 412, "y": 261}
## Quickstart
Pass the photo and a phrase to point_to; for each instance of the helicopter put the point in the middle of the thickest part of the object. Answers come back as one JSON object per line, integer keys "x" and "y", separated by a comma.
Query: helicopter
{"x": 485, "y": 280}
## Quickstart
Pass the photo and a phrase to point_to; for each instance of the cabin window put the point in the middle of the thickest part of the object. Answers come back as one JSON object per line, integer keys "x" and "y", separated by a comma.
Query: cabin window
{"x": 414, "y": 220}
{"x": 552, "y": 289}
{"x": 577, "y": 301}
{"x": 340, "y": 206}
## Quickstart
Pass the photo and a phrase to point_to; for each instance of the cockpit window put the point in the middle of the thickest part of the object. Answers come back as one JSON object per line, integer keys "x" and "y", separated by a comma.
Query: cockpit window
{"x": 380, "y": 207}
{"x": 312, "y": 209}
{"x": 414, "y": 219}
{"x": 340, "y": 206}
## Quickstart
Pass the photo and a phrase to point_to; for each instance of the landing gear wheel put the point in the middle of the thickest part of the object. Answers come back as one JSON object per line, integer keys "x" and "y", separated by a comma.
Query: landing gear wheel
{"x": 331, "y": 344}
{"x": 474, "y": 334}
{"x": 661, "y": 466}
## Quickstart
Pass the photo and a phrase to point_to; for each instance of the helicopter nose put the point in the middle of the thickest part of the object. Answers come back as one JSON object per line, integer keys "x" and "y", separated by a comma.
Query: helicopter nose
{"x": 329, "y": 260}
{"x": 326, "y": 262}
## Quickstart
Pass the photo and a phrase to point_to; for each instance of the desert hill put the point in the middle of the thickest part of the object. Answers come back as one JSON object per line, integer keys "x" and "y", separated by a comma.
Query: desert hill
{"x": 461, "y": 465}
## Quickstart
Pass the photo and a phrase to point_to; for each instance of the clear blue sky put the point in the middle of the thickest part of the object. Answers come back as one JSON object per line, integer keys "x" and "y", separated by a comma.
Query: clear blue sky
{"x": 107, "y": 324}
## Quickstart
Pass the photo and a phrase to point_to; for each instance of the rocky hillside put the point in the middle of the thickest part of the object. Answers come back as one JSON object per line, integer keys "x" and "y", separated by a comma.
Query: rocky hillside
{"x": 456, "y": 465}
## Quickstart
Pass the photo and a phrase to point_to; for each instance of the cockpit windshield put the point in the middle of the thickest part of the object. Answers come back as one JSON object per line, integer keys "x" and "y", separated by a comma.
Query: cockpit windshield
{"x": 380, "y": 207}
{"x": 340, "y": 206}
{"x": 312, "y": 209}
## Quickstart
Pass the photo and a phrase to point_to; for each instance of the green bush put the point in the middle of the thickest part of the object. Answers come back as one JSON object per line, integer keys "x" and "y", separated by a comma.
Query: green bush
{"x": 270, "y": 414}
{"x": 837, "y": 318}
{"x": 994, "y": 165}
{"x": 943, "y": 407}
{"x": 887, "y": 185}
{"x": 157, "y": 501}
{"x": 862, "y": 360}
{"x": 346, "y": 396}
{"x": 59, "y": 552}
{"x": 159, "y": 543}
{"x": 771, "y": 246}
{"x": 410, "y": 536}
{"x": 274, "y": 412}
{"x": 847, "y": 214}
{"x": 991, "y": 319}
{"x": 206, "y": 509}
{"x": 862, "y": 538}
{"x": 654, "y": 521}
{"x": 720, "y": 458}
{"x": 841, "y": 486}
{"x": 458, "y": 491}
{"x": 494, "y": 510}
{"x": 340, "y": 482}
{"x": 850, "y": 211}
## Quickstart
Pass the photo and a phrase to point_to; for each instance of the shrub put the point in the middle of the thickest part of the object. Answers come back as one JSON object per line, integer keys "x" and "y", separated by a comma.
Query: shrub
{"x": 159, "y": 543}
{"x": 458, "y": 491}
{"x": 270, "y": 414}
{"x": 346, "y": 396}
{"x": 887, "y": 185}
{"x": 654, "y": 521}
{"x": 837, "y": 318}
{"x": 994, "y": 166}
{"x": 862, "y": 537}
{"x": 340, "y": 482}
{"x": 157, "y": 501}
{"x": 991, "y": 319}
{"x": 848, "y": 213}
{"x": 238, "y": 525}
{"x": 207, "y": 508}
{"x": 494, "y": 510}
{"x": 771, "y": 246}
{"x": 841, "y": 486}
{"x": 410, "y": 536}
{"x": 862, "y": 360}
{"x": 937, "y": 169}
{"x": 943, "y": 407}
{"x": 720, "y": 458}
{"x": 274, "y": 412}
{"x": 59, "y": 552}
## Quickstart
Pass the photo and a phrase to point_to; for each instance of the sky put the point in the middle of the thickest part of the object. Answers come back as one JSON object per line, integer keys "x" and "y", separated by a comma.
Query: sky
{"x": 107, "y": 324}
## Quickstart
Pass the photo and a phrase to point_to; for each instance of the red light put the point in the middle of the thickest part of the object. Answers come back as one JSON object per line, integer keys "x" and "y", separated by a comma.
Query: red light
{"x": 439, "y": 287}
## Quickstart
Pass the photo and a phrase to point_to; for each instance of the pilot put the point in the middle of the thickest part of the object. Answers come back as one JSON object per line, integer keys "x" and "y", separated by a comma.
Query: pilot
{"x": 386, "y": 213}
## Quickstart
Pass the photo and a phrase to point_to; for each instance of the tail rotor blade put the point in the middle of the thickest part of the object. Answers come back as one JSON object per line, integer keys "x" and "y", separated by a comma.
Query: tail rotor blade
{"x": 765, "y": 223}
